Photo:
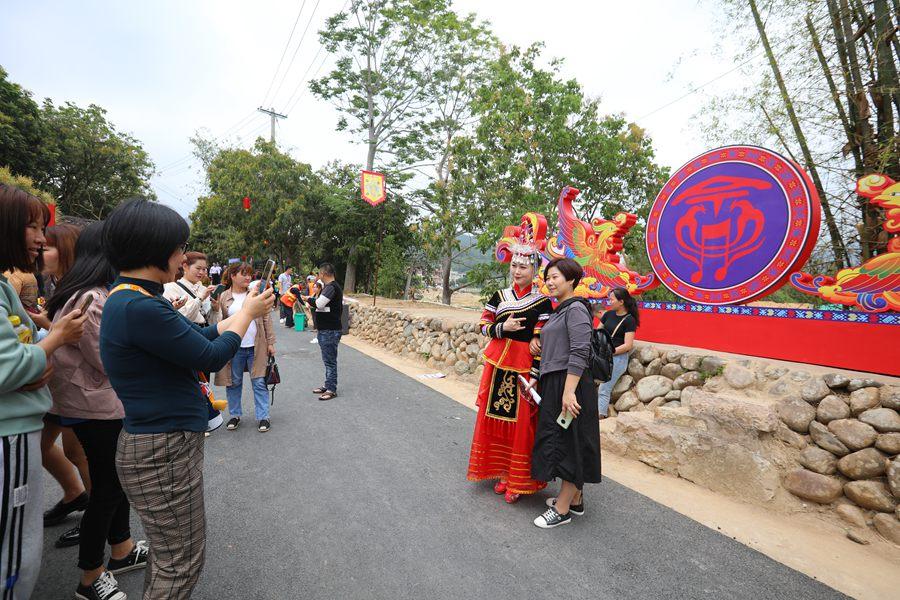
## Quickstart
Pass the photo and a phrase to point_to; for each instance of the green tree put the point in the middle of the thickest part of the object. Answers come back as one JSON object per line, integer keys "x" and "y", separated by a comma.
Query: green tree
{"x": 86, "y": 163}
{"x": 20, "y": 128}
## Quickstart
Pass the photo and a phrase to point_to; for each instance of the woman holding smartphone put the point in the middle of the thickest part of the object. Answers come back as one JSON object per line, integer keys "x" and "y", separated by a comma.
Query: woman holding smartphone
{"x": 86, "y": 404}
{"x": 567, "y": 442}
{"x": 257, "y": 344}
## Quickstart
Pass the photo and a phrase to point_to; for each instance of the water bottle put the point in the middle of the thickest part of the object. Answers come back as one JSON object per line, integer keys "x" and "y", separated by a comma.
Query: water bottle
{"x": 22, "y": 331}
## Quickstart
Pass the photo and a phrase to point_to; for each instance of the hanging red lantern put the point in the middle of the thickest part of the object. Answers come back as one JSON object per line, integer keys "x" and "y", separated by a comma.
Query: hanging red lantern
{"x": 246, "y": 203}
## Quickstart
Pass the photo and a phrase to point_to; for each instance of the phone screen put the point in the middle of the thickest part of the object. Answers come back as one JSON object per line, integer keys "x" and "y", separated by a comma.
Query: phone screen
{"x": 218, "y": 291}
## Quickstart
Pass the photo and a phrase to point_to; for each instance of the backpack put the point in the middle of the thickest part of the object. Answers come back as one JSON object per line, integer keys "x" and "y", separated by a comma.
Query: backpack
{"x": 600, "y": 360}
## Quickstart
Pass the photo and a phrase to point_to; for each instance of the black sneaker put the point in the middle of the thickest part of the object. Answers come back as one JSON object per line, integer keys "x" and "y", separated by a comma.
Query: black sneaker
{"x": 136, "y": 559}
{"x": 61, "y": 510}
{"x": 70, "y": 538}
{"x": 233, "y": 423}
{"x": 264, "y": 426}
{"x": 551, "y": 519}
{"x": 104, "y": 587}
{"x": 575, "y": 509}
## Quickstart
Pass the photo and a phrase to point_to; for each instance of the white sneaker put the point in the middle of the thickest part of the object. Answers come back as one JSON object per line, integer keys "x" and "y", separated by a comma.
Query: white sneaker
{"x": 282, "y": 321}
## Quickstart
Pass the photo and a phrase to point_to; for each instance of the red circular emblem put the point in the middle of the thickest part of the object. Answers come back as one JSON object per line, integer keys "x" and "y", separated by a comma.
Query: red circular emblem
{"x": 732, "y": 224}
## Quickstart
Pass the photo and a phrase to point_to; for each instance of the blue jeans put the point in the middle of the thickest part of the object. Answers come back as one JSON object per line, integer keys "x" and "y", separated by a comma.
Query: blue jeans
{"x": 244, "y": 359}
{"x": 328, "y": 344}
{"x": 620, "y": 365}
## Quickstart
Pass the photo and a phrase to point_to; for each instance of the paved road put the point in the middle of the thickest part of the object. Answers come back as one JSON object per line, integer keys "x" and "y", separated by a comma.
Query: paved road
{"x": 365, "y": 497}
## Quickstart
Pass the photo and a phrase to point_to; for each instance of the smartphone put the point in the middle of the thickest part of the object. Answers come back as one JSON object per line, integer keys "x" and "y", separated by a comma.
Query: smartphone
{"x": 267, "y": 275}
{"x": 218, "y": 291}
{"x": 88, "y": 300}
{"x": 565, "y": 419}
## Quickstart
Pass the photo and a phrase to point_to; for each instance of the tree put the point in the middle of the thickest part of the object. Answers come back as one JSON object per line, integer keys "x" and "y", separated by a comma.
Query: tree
{"x": 382, "y": 49}
{"x": 87, "y": 164}
{"x": 20, "y": 128}
{"x": 537, "y": 133}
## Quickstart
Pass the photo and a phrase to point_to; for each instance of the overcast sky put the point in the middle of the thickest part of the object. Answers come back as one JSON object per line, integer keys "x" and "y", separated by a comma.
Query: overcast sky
{"x": 165, "y": 68}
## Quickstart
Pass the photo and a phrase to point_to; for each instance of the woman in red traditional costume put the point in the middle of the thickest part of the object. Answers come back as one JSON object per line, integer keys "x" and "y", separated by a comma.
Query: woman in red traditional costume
{"x": 505, "y": 425}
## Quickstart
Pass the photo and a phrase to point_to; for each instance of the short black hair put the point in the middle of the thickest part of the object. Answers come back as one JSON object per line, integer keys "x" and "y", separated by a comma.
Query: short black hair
{"x": 327, "y": 268}
{"x": 140, "y": 233}
{"x": 569, "y": 269}
{"x": 18, "y": 208}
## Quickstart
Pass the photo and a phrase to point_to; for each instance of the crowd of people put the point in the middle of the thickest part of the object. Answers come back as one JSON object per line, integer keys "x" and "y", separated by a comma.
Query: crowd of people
{"x": 116, "y": 362}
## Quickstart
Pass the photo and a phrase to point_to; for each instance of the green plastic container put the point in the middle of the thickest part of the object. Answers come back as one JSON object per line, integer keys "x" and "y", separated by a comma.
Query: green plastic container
{"x": 299, "y": 322}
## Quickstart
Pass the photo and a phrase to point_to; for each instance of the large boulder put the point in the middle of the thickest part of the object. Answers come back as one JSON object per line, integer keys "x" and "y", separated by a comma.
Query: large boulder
{"x": 831, "y": 408}
{"x": 888, "y": 443}
{"x": 636, "y": 369}
{"x": 827, "y": 440}
{"x": 691, "y": 378}
{"x": 624, "y": 384}
{"x": 738, "y": 377}
{"x": 862, "y": 400}
{"x": 813, "y": 486}
{"x": 884, "y": 420}
{"x": 814, "y": 390}
{"x": 871, "y": 494}
{"x": 735, "y": 414}
{"x": 854, "y": 434}
{"x": 889, "y": 396}
{"x": 863, "y": 464}
{"x": 818, "y": 460}
{"x": 796, "y": 414}
{"x": 671, "y": 370}
{"x": 650, "y": 387}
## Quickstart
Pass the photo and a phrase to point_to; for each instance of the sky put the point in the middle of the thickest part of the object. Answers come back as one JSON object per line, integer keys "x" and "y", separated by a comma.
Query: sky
{"x": 165, "y": 69}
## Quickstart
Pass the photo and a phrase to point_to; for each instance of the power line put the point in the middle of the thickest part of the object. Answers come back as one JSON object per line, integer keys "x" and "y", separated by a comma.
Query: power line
{"x": 296, "y": 50}
{"x": 284, "y": 52}
{"x": 300, "y": 96}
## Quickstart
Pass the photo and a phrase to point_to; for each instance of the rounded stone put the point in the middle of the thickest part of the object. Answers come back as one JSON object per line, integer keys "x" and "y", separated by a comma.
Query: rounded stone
{"x": 889, "y": 396}
{"x": 835, "y": 380}
{"x": 893, "y": 477}
{"x": 813, "y": 486}
{"x": 862, "y": 400}
{"x": 691, "y": 378}
{"x": 673, "y": 356}
{"x": 827, "y": 440}
{"x": 889, "y": 443}
{"x": 814, "y": 390}
{"x": 851, "y": 514}
{"x": 888, "y": 526}
{"x": 672, "y": 404}
{"x": 649, "y": 388}
{"x": 738, "y": 377}
{"x": 690, "y": 362}
{"x": 658, "y": 401}
{"x": 647, "y": 353}
{"x": 884, "y": 420}
{"x": 863, "y": 464}
{"x": 635, "y": 369}
{"x": 854, "y": 434}
{"x": 674, "y": 395}
{"x": 796, "y": 414}
{"x": 624, "y": 384}
{"x": 671, "y": 370}
{"x": 857, "y": 384}
{"x": 871, "y": 494}
{"x": 653, "y": 367}
{"x": 711, "y": 364}
{"x": 831, "y": 408}
{"x": 462, "y": 367}
{"x": 818, "y": 460}
{"x": 626, "y": 402}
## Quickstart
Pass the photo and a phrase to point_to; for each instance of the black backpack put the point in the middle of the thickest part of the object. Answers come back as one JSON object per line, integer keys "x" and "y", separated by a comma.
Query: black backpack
{"x": 600, "y": 360}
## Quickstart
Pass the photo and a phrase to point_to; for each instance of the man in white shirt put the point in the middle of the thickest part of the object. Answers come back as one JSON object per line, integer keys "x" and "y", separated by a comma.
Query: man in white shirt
{"x": 215, "y": 273}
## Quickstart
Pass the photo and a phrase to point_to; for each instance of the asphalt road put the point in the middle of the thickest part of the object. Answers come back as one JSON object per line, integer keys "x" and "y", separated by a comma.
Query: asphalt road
{"x": 365, "y": 496}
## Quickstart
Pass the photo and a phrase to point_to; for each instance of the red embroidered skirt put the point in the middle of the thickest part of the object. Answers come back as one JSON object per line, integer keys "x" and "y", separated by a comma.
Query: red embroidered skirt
{"x": 504, "y": 433}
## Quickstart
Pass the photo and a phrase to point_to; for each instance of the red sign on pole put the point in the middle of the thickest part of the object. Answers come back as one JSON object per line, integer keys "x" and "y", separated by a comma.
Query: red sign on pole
{"x": 372, "y": 187}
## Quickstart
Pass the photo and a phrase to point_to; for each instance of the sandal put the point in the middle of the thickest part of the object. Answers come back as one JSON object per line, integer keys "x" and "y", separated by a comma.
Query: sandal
{"x": 328, "y": 395}
{"x": 319, "y": 390}
{"x": 500, "y": 488}
{"x": 511, "y": 497}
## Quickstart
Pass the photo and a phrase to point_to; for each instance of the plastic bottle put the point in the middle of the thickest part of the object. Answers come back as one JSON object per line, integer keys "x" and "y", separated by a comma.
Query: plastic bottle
{"x": 22, "y": 330}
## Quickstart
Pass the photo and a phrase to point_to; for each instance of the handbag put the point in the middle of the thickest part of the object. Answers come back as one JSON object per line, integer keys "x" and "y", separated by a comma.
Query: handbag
{"x": 272, "y": 377}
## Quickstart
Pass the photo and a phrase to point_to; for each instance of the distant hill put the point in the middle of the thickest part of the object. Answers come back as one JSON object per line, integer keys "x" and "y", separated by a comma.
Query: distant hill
{"x": 471, "y": 257}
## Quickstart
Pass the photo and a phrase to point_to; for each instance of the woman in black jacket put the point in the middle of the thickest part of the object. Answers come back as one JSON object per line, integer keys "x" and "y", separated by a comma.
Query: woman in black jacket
{"x": 571, "y": 453}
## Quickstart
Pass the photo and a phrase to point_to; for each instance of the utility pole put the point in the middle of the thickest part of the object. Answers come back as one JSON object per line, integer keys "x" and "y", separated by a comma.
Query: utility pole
{"x": 272, "y": 115}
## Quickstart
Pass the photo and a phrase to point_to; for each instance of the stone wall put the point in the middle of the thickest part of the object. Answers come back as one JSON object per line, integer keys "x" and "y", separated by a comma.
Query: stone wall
{"x": 746, "y": 428}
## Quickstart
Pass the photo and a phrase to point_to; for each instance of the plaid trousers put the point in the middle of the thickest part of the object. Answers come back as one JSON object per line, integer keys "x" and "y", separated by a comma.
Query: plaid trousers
{"x": 162, "y": 475}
